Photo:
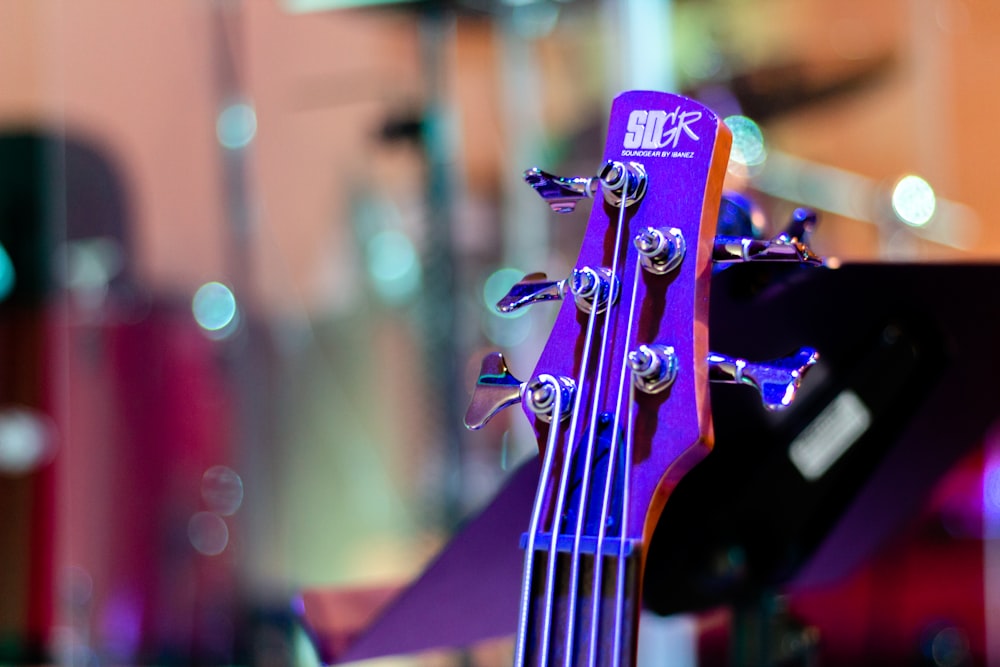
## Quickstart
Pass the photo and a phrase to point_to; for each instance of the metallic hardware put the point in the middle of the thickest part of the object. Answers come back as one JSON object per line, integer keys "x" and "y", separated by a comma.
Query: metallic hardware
{"x": 587, "y": 285}
{"x": 563, "y": 192}
{"x": 497, "y": 389}
{"x": 654, "y": 367}
{"x": 533, "y": 288}
{"x": 560, "y": 192}
{"x": 615, "y": 177}
{"x": 789, "y": 246}
{"x": 776, "y": 380}
{"x": 731, "y": 249}
{"x": 540, "y": 395}
{"x": 591, "y": 286}
{"x": 660, "y": 250}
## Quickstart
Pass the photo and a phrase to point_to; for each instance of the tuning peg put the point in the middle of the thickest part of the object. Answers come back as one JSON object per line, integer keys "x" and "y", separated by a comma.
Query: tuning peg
{"x": 587, "y": 285}
{"x": 776, "y": 380}
{"x": 497, "y": 389}
{"x": 732, "y": 249}
{"x": 563, "y": 192}
{"x": 560, "y": 192}
{"x": 533, "y": 288}
{"x": 660, "y": 250}
{"x": 788, "y": 246}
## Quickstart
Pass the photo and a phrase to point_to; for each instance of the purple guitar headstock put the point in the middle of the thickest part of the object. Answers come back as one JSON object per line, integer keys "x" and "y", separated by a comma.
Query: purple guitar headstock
{"x": 619, "y": 397}
{"x": 642, "y": 368}
{"x": 621, "y": 388}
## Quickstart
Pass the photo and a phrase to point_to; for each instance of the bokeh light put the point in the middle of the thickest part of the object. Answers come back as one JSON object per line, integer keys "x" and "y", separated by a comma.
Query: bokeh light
{"x": 393, "y": 265}
{"x": 913, "y": 200}
{"x": 236, "y": 126}
{"x": 748, "y": 141}
{"x": 26, "y": 440}
{"x": 504, "y": 331}
{"x": 6, "y": 274}
{"x": 222, "y": 490}
{"x": 208, "y": 533}
{"x": 215, "y": 310}
{"x": 950, "y": 647}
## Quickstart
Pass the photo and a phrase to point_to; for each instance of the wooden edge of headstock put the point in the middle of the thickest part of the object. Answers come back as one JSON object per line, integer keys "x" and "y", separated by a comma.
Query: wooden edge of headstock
{"x": 703, "y": 262}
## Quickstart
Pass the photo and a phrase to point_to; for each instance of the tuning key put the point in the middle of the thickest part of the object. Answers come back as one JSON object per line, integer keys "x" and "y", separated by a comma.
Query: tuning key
{"x": 533, "y": 288}
{"x": 777, "y": 380}
{"x": 561, "y": 192}
{"x": 497, "y": 389}
{"x": 660, "y": 250}
{"x": 588, "y": 286}
{"x": 654, "y": 367}
{"x": 613, "y": 178}
{"x": 617, "y": 178}
{"x": 791, "y": 245}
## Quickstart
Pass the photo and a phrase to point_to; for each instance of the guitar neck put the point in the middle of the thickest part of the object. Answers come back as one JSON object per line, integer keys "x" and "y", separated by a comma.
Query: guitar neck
{"x": 577, "y": 642}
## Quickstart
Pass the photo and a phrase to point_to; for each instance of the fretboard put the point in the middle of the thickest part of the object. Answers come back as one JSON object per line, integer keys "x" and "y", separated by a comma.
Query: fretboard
{"x": 572, "y": 639}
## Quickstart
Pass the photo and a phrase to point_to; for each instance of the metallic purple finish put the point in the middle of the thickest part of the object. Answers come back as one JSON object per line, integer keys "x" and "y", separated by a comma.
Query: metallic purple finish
{"x": 685, "y": 158}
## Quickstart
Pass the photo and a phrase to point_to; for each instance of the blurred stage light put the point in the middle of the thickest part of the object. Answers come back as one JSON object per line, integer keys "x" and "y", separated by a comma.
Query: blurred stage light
{"x": 26, "y": 440}
{"x": 506, "y": 332}
{"x": 393, "y": 265}
{"x": 222, "y": 490}
{"x": 6, "y": 274}
{"x": 748, "y": 141}
{"x": 208, "y": 533}
{"x": 214, "y": 308}
{"x": 913, "y": 201}
{"x": 236, "y": 125}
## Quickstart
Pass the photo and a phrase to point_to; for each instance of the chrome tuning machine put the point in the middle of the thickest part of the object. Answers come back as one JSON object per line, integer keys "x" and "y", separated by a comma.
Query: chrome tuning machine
{"x": 791, "y": 245}
{"x": 777, "y": 380}
{"x": 589, "y": 287}
{"x": 613, "y": 178}
{"x": 497, "y": 388}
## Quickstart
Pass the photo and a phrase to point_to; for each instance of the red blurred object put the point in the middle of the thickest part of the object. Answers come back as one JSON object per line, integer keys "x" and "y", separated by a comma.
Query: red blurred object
{"x": 922, "y": 598}
{"x": 148, "y": 414}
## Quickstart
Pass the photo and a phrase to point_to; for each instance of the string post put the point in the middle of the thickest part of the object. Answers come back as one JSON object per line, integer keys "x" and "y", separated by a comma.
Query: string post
{"x": 540, "y": 396}
{"x": 654, "y": 367}
{"x": 618, "y": 179}
{"x": 593, "y": 289}
{"x": 660, "y": 250}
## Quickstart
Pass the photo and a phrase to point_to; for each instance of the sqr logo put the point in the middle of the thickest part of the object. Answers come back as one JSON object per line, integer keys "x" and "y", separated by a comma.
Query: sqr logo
{"x": 659, "y": 129}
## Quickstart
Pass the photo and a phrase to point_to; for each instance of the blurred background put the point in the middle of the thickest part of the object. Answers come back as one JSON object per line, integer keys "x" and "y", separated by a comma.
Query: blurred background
{"x": 248, "y": 252}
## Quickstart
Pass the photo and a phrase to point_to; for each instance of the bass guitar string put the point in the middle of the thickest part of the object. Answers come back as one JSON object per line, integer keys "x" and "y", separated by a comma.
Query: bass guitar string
{"x": 520, "y": 650}
{"x": 556, "y": 513}
{"x": 595, "y": 611}
{"x": 620, "y": 590}
{"x": 588, "y": 455}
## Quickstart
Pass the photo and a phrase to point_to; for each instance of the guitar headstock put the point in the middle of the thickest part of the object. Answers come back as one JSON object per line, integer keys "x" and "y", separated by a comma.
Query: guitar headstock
{"x": 627, "y": 364}
{"x": 678, "y": 151}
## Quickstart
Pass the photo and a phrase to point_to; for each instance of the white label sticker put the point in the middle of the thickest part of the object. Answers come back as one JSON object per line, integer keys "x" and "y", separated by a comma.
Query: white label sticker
{"x": 832, "y": 433}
